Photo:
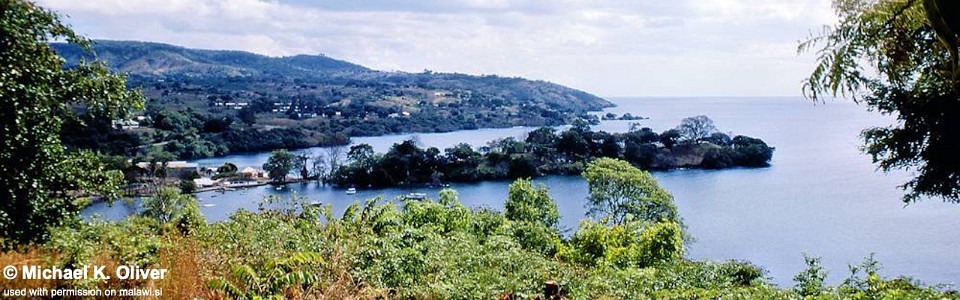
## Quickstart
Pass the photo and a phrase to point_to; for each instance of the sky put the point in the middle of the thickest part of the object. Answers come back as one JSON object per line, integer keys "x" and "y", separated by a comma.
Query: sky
{"x": 608, "y": 48}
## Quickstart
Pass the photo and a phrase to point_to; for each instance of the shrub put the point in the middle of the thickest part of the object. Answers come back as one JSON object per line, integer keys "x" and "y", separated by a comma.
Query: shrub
{"x": 718, "y": 158}
{"x": 661, "y": 242}
{"x": 529, "y": 203}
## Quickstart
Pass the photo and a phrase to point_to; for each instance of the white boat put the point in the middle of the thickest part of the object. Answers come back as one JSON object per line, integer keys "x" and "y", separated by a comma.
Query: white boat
{"x": 316, "y": 203}
{"x": 415, "y": 196}
{"x": 240, "y": 184}
{"x": 208, "y": 205}
{"x": 351, "y": 191}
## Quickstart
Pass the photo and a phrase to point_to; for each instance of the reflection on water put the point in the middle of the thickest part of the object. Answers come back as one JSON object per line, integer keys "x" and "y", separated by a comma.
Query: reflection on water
{"x": 821, "y": 196}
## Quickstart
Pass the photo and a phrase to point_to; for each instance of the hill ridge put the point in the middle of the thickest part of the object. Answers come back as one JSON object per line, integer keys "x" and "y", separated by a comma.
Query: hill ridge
{"x": 320, "y": 100}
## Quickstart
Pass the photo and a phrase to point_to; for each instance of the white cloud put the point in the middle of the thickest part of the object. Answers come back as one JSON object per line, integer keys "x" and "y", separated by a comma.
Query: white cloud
{"x": 616, "y": 47}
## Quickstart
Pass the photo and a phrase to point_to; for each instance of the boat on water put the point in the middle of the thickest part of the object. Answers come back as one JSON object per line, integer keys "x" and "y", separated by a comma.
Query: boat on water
{"x": 208, "y": 205}
{"x": 234, "y": 184}
{"x": 315, "y": 203}
{"x": 351, "y": 191}
{"x": 415, "y": 196}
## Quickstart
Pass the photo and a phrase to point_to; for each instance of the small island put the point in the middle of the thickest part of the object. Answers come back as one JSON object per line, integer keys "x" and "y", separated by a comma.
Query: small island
{"x": 625, "y": 117}
{"x": 695, "y": 143}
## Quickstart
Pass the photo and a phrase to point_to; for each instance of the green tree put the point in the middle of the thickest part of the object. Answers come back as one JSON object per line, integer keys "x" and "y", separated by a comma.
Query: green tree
{"x": 227, "y": 168}
{"x": 662, "y": 241}
{"x": 810, "y": 281}
{"x": 573, "y": 145}
{"x": 187, "y": 186}
{"x": 39, "y": 180}
{"x": 544, "y": 136}
{"x": 632, "y": 243}
{"x": 751, "y": 152}
{"x": 280, "y": 164}
{"x": 168, "y": 205}
{"x": 899, "y": 58}
{"x": 527, "y": 202}
{"x": 619, "y": 191}
{"x": 461, "y": 163}
{"x": 361, "y": 153}
{"x": 670, "y": 138}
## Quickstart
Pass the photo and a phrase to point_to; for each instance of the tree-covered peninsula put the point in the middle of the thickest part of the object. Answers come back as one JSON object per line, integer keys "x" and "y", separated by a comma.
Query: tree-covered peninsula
{"x": 695, "y": 143}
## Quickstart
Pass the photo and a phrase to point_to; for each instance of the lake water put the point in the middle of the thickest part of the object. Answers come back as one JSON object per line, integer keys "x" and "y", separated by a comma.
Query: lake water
{"x": 821, "y": 196}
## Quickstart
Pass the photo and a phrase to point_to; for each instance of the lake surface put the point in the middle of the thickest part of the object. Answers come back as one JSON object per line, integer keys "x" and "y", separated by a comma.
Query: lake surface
{"x": 821, "y": 196}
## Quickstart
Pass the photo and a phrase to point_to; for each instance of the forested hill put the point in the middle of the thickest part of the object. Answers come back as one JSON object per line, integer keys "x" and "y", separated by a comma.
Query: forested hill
{"x": 155, "y": 59}
{"x": 210, "y": 102}
{"x": 325, "y": 80}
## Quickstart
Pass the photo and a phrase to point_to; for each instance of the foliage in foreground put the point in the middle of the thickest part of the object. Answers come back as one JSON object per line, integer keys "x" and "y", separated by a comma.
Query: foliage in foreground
{"x": 441, "y": 250}
{"x": 432, "y": 250}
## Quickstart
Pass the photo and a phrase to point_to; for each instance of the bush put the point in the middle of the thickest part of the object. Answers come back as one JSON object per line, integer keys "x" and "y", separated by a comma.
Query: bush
{"x": 718, "y": 158}
{"x": 631, "y": 244}
{"x": 187, "y": 186}
{"x": 190, "y": 219}
{"x": 132, "y": 241}
{"x": 529, "y": 203}
{"x": 536, "y": 237}
{"x": 661, "y": 242}
{"x": 751, "y": 152}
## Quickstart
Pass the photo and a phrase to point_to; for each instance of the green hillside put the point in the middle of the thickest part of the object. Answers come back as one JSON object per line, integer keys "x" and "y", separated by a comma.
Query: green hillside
{"x": 309, "y": 100}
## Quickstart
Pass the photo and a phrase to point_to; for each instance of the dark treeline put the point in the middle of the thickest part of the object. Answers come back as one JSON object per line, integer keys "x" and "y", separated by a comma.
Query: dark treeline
{"x": 187, "y": 134}
{"x": 693, "y": 144}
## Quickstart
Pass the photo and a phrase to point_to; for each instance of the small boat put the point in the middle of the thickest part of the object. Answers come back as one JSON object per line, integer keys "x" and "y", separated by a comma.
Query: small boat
{"x": 351, "y": 191}
{"x": 279, "y": 188}
{"x": 213, "y": 196}
{"x": 315, "y": 203}
{"x": 208, "y": 205}
{"x": 415, "y": 196}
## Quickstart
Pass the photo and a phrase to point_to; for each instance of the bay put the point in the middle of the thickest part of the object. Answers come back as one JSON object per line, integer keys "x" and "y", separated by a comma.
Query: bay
{"x": 821, "y": 196}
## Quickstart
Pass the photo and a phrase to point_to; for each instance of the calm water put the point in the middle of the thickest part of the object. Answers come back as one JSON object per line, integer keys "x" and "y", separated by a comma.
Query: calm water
{"x": 821, "y": 196}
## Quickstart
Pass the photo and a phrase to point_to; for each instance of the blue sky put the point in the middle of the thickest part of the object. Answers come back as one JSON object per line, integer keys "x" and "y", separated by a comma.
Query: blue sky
{"x": 609, "y": 48}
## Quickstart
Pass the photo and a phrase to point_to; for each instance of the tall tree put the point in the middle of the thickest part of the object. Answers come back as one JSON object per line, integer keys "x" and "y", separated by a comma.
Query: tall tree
{"x": 618, "y": 190}
{"x": 318, "y": 167}
{"x": 40, "y": 181}
{"x": 898, "y": 57}
{"x": 280, "y": 164}
{"x": 302, "y": 164}
{"x": 694, "y": 129}
{"x": 334, "y": 156}
{"x": 527, "y": 202}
